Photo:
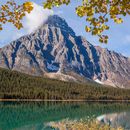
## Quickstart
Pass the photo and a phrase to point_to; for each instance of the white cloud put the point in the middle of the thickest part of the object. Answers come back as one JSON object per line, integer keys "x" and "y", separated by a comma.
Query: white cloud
{"x": 30, "y": 22}
{"x": 36, "y": 18}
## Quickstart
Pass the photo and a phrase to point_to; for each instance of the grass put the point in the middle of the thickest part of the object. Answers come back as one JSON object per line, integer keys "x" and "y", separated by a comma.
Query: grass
{"x": 81, "y": 125}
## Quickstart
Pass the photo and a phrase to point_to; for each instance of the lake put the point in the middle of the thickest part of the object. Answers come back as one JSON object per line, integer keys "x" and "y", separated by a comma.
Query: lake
{"x": 39, "y": 115}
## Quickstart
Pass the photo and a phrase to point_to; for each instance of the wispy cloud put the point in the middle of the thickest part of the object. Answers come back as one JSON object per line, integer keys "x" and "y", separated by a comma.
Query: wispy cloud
{"x": 36, "y": 18}
{"x": 30, "y": 22}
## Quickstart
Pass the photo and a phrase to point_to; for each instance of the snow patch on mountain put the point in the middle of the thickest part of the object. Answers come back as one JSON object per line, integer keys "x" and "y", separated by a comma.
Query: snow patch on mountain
{"x": 98, "y": 81}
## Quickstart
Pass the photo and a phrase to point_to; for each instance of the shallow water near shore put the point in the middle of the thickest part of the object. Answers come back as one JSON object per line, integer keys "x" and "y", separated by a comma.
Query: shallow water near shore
{"x": 39, "y": 115}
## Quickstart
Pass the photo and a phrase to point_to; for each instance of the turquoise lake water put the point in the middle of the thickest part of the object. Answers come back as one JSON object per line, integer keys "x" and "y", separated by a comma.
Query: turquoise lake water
{"x": 38, "y": 115}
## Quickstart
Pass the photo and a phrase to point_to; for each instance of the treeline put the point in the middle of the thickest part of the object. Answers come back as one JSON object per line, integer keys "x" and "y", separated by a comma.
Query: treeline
{"x": 15, "y": 85}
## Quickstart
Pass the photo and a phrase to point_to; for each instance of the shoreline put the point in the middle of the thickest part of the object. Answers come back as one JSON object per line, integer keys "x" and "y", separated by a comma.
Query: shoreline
{"x": 69, "y": 100}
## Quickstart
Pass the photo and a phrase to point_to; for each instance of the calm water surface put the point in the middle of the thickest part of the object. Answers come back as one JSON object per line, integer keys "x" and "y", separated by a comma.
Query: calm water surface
{"x": 38, "y": 115}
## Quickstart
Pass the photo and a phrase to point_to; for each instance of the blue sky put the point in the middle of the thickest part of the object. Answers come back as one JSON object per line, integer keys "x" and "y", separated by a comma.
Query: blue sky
{"x": 119, "y": 35}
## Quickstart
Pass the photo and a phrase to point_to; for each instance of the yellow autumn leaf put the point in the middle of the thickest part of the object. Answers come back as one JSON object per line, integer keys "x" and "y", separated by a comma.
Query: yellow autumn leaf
{"x": 28, "y": 6}
{"x": 88, "y": 29}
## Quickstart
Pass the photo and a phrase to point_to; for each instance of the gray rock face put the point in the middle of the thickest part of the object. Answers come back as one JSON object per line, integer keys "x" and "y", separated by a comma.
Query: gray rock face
{"x": 54, "y": 48}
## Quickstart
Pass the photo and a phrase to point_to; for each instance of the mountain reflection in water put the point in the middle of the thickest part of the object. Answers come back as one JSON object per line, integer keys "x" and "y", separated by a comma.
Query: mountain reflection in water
{"x": 36, "y": 115}
{"x": 116, "y": 120}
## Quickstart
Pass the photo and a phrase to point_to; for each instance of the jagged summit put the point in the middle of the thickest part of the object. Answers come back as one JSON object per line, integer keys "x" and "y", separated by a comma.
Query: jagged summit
{"x": 55, "y": 51}
{"x": 55, "y": 20}
{"x": 58, "y": 22}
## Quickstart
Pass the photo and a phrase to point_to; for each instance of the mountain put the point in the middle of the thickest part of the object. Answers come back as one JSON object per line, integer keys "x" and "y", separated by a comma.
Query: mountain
{"x": 54, "y": 50}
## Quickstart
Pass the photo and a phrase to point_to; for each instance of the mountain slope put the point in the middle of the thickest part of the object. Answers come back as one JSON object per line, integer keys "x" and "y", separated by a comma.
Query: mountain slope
{"x": 55, "y": 48}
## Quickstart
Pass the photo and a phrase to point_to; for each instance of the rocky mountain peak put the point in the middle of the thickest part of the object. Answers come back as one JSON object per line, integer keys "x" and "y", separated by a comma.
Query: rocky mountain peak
{"x": 58, "y": 22}
{"x": 54, "y": 50}
{"x": 55, "y": 20}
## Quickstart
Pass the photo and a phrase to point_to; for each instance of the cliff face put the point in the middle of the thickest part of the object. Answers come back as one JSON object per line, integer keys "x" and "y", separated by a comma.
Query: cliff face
{"x": 55, "y": 49}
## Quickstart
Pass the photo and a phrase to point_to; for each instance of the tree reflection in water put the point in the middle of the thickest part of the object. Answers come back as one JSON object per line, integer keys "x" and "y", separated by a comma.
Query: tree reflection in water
{"x": 34, "y": 115}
